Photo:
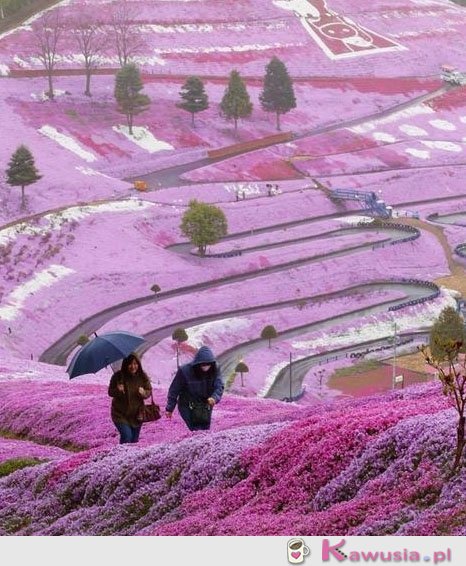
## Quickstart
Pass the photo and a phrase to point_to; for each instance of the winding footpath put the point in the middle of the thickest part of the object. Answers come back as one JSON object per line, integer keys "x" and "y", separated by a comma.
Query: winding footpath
{"x": 60, "y": 350}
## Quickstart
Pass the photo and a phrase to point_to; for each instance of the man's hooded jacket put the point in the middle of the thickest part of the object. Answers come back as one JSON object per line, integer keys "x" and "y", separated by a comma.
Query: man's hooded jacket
{"x": 189, "y": 384}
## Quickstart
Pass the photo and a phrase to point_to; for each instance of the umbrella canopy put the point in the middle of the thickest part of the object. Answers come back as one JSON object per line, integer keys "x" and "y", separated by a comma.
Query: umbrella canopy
{"x": 102, "y": 351}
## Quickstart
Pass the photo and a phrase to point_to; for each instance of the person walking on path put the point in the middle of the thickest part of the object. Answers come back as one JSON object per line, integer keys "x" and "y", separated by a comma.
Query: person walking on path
{"x": 128, "y": 389}
{"x": 197, "y": 387}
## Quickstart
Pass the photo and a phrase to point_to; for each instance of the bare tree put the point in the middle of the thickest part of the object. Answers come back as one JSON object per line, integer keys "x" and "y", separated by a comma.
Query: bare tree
{"x": 91, "y": 43}
{"x": 47, "y": 32}
{"x": 127, "y": 40}
{"x": 3, "y": 4}
{"x": 451, "y": 371}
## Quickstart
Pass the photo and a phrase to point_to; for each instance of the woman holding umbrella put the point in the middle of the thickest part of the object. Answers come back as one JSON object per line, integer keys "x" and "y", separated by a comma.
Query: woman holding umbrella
{"x": 128, "y": 389}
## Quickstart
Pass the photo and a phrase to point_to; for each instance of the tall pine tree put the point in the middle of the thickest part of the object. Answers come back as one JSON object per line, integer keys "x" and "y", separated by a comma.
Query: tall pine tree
{"x": 194, "y": 97}
{"x": 130, "y": 100}
{"x": 21, "y": 170}
{"x": 235, "y": 102}
{"x": 278, "y": 94}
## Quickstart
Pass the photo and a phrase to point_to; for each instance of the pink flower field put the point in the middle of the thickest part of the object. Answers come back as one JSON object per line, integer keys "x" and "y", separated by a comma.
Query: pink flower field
{"x": 86, "y": 253}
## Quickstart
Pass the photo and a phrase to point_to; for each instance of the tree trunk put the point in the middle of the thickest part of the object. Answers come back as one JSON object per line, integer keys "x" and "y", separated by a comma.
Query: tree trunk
{"x": 270, "y": 342}
{"x": 22, "y": 196}
{"x": 236, "y": 125}
{"x": 242, "y": 382}
{"x": 192, "y": 119}
{"x": 50, "y": 93}
{"x": 87, "y": 92}
{"x": 177, "y": 355}
{"x": 278, "y": 121}
{"x": 459, "y": 444}
{"x": 130, "y": 124}
{"x": 202, "y": 250}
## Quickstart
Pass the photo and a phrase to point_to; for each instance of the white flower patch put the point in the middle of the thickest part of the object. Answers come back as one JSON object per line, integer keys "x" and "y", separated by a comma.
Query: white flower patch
{"x": 418, "y": 316}
{"x": 67, "y": 142}
{"x": 383, "y": 137}
{"x": 148, "y": 61}
{"x": 270, "y": 378}
{"x": 246, "y": 188}
{"x": 463, "y": 119}
{"x": 143, "y": 138}
{"x": 198, "y": 333}
{"x": 445, "y": 145}
{"x": 45, "y": 278}
{"x": 27, "y": 23}
{"x": 232, "y": 49}
{"x": 176, "y": 28}
{"x": 428, "y": 2}
{"x": 443, "y": 125}
{"x": 421, "y": 153}
{"x": 43, "y": 95}
{"x": 4, "y": 70}
{"x": 404, "y": 114}
{"x": 410, "y": 130}
{"x": 354, "y": 220}
{"x": 20, "y": 62}
{"x": 91, "y": 172}
{"x": 55, "y": 220}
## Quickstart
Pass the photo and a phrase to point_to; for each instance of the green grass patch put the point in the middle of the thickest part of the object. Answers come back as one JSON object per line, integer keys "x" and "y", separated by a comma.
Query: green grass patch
{"x": 72, "y": 113}
{"x": 9, "y": 466}
{"x": 230, "y": 380}
{"x": 361, "y": 367}
{"x": 70, "y": 446}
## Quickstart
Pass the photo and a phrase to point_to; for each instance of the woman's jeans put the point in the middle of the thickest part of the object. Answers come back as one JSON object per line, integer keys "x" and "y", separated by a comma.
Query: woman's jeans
{"x": 128, "y": 433}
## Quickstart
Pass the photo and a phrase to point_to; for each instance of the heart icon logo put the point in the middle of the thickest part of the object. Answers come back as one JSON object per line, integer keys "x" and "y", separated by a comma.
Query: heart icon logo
{"x": 296, "y": 555}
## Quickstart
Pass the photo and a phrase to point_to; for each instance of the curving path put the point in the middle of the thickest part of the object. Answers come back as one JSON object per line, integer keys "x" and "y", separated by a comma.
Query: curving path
{"x": 60, "y": 350}
{"x": 414, "y": 291}
{"x": 171, "y": 176}
{"x": 284, "y": 388}
{"x": 230, "y": 358}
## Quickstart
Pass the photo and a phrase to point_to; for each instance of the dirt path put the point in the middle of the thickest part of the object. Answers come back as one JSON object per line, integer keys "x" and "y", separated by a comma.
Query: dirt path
{"x": 11, "y": 22}
{"x": 171, "y": 176}
{"x": 457, "y": 279}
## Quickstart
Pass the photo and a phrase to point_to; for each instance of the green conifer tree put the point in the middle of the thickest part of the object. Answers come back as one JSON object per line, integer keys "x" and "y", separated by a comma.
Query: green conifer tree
{"x": 130, "y": 100}
{"x": 194, "y": 98}
{"x": 235, "y": 102}
{"x": 21, "y": 170}
{"x": 278, "y": 94}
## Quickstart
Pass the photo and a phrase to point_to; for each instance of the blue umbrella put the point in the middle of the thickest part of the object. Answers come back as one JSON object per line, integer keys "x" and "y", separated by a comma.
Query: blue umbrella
{"x": 102, "y": 351}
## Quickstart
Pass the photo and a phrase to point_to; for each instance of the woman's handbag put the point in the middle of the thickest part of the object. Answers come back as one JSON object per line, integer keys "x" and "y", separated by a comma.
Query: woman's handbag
{"x": 200, "y": 412}
{"x": 149, "y": 413}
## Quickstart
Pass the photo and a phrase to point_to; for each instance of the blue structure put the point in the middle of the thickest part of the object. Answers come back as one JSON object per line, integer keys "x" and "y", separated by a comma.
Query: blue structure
{"x": 368, "y": 201}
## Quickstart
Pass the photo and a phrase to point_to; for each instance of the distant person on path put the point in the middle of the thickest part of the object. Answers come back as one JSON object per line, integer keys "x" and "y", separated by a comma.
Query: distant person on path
{"x": 128, "y": 389}
{"x": 196, "y": 388}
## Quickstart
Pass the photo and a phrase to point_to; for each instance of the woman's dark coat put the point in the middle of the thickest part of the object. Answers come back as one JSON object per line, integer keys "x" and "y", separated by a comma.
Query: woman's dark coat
{"x": 126, "y": 406}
